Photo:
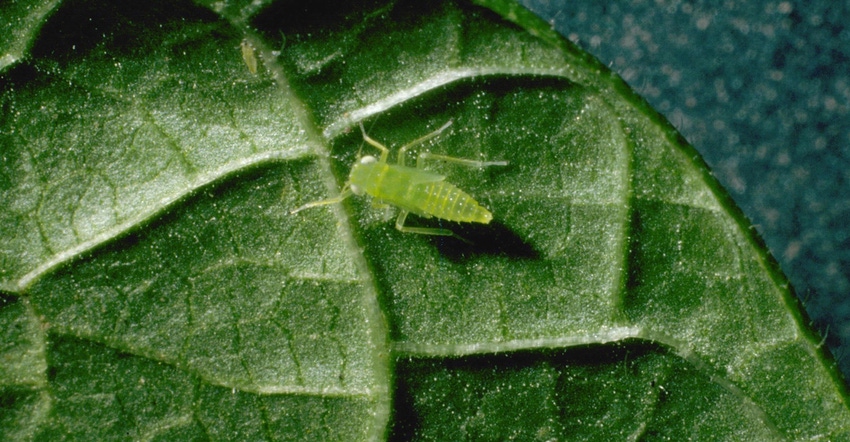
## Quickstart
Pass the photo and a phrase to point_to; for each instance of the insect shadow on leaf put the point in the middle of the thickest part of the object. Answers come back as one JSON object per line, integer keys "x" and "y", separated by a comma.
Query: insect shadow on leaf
{"x": 493, "y": 239}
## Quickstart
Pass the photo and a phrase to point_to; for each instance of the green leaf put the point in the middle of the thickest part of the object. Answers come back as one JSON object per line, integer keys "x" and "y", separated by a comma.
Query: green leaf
{"x": 20, "y": 21}
{"x": 156, "y": 285}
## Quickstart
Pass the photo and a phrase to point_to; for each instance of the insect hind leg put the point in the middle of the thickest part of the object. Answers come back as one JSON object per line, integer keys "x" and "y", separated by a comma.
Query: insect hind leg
{"x": 433, "y": 231}
{"x": 427, "y": 156}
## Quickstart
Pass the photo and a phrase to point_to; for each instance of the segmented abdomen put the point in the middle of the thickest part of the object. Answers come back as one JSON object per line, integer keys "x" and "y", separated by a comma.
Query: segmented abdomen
{"x": 444, "y": 200}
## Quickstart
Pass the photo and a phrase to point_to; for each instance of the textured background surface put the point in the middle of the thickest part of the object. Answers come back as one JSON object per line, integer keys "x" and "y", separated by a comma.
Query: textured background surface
{"x": 762, "y": 90}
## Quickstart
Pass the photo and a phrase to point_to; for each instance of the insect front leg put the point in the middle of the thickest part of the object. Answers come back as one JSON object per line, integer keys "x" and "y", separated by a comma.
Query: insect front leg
{"x": 346, "y": 192}
{"x": 384, "y": 151}
{"x": 378, "y": 204}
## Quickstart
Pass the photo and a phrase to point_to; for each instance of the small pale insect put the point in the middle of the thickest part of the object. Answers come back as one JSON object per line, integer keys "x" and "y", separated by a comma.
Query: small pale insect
{"x": 413, "y": 189}
{"x": 249, "y": 55}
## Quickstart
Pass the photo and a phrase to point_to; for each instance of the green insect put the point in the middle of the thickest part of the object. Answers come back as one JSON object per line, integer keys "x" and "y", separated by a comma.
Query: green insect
{"x": 413, "y": 189}
{"x": 249, "y": 55}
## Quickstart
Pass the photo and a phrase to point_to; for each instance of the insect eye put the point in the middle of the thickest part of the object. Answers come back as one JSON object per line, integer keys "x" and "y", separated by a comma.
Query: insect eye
{"x": 368, "y": 159}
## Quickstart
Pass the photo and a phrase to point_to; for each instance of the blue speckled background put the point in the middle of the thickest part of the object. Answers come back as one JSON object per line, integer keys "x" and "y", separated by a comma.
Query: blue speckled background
{"x": 762, "y": 89}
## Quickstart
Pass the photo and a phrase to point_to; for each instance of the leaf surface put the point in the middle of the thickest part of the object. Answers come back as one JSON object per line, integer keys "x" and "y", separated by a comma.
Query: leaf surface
{"x": 20, "y": 21}
{"x": 157, "y": 286}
